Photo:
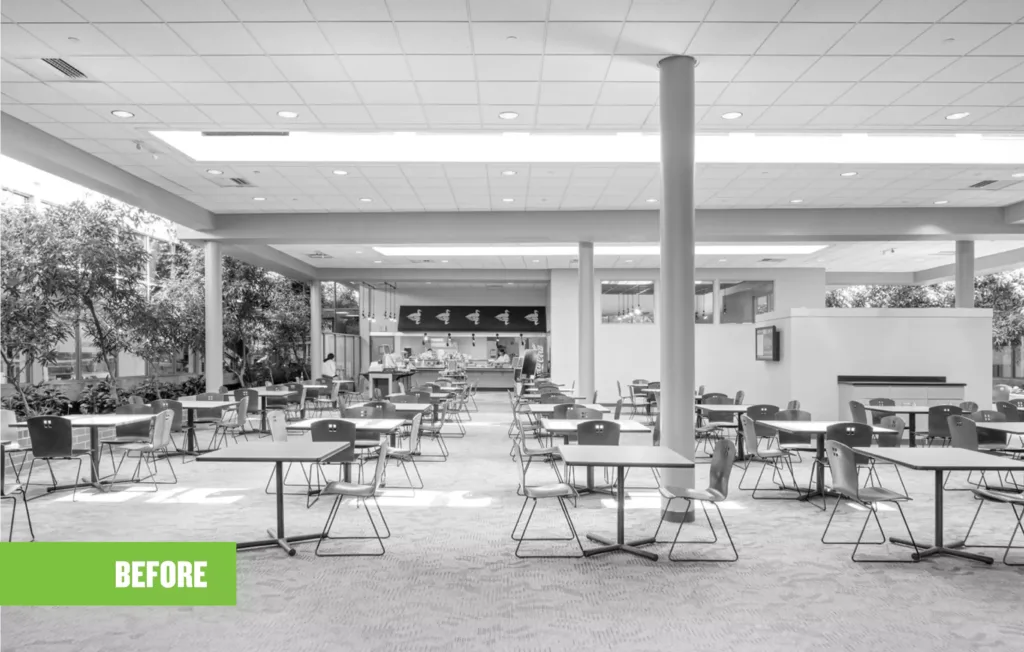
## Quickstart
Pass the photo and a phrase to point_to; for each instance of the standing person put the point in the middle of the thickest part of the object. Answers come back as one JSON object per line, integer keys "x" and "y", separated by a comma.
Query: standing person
{"x": 330, "y": 369}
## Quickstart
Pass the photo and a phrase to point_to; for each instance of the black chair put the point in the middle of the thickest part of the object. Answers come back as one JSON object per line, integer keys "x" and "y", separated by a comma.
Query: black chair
{"x": 582, "y": 412}
{"x": 597, "y": 433}
{"x": 1009, "y": 409}
{"x": 938, "y": 423}
{"x": 363, "y": 412}
{"x": 209, "y": 415}
{"x": 333, "y": 430}
{"x": 764, "y": 413}
{"x": 791, "y": 442}
{"x": 134, "y": 431}
{"x": 52, "y": 440}
{"x": 876, "y": 417}
{"x": 561, "y": 410}
{"x": 851, "y": 434}
{"x": 174, "y": 407}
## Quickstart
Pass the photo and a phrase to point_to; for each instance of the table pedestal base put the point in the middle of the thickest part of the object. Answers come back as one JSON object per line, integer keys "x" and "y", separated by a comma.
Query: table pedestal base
{"x": 951, "y": 550}
{"x": 279, "y": 541}
{"x": 612, "y": 546}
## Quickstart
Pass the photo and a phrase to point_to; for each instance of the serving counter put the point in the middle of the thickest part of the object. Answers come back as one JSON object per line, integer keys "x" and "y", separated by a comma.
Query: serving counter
{"x": 484, "y": 377}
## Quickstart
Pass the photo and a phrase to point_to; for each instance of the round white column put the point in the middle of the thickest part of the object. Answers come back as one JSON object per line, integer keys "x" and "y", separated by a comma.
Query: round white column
{"x": 316, "y": 340}
{"x": 586, "y": 352}
{"x": 676, "y": 321}
{"x": 965, "y": 274}
{"x": 214, "y": 355}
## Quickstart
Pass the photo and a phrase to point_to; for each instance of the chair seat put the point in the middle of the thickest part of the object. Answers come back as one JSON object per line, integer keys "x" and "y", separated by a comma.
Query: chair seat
{"x": 537, "y": 452}
{"x": 999, "y": 496}
{"x": 771, "y": 453}
{"x": 138, "y": 446}
{"x": 873, "y": 494}
{"x": 709, "y": 495}
{"x": 549, "y": 491}
{"x": 339, "y": 488}
{"x": 400, "y": 453}
{"x": 120, "y": 441}
{"x": 802, "y": 448}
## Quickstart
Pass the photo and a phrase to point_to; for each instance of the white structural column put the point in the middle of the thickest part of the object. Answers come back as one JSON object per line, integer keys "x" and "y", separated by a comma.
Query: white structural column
{"x": 586, "y": 352}
{"x": 214, "y": 318}
{"x": 676, "y": 322}
{"x": 716, "y": 301}
{"x": 965, "y": 274}
{"x": 316, "y": 339}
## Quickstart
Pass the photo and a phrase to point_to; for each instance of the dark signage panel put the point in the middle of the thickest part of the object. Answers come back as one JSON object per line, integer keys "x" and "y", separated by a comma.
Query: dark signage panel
{"x": 482, "y": 319}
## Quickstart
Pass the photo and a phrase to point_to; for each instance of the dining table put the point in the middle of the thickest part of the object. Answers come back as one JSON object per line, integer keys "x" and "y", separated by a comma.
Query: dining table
{"x": 364, "y": 427}
{"x": 567, "y": 429}
{"x": 910, "y": 410}
{"x": 190, "y": 408}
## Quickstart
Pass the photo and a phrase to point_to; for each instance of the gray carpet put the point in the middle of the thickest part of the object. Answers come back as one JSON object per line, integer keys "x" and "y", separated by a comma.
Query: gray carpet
{"x": 450, "y": 582}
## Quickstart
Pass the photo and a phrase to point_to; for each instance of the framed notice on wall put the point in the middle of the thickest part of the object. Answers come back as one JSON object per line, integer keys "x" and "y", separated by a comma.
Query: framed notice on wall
{"x": 480, "y": 319}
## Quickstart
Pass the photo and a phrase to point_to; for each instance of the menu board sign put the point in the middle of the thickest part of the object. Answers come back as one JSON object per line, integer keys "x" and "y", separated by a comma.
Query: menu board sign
{"x": 480, "y": 319}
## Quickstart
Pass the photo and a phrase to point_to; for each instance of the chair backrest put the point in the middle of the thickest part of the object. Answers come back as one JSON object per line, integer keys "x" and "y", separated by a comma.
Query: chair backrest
{"x": 656, "y": 432}
{"x": 548, "y": 390}
{"x": 963, "y": 433}
{"x": 749, "y": 434}
{"x": 938, "y": 419}
{"x": 162, "y": 425}
{"x": 880, "y": 402}
{"x": 857, "y": 412}
{"x": 842, "y": 461}
{"x": 721, "y": 467}
{"x": 554, "y": 399}
{"x": 700, "y": 391}
{"x": 278, "y": 425}
{"x": 581, "y": 412}
{"x": 740, "y": 395}
{"x": 716, "y": 398}
{"x": 336, "y": 430}
{"x": 141, "y": 429}
{"x": 434, "y": 387}
{"x": 619, "y": 386}
{"x": 209, "y": 413}
{"x": 422, "y": 397}
{"x": 654, "y": 384}
{"x": 50, "y": 436}
{"x": 618, "y": 410}
{"x": 721, "y": 417}
{"x": 382, "y": 463}
{"x": 792, "y": 415}
{"x": 223, "y": 389}
{"x": 1001, "y": 393}
{"x": 173, "y": 406}
{"x": 241, "y": 411}
{"x": 968, "y": 406}
{"x": 763, "y": 412}
{"x": 885, "y": 440}
{"x": 414, "y": 432}
{"x": 521, "y": 460}
{"x": 793, "y": 405}
{"x": 136, "y": 400}
{"x": 598, "y": 433}
{"x": 7, "y": 430}
{"x": 254, "y": 398}
{"x": 852, "y": 434}
{"x": 1017, "y": 403}
{"x": 987, "y": 415}
{"x": 363, "y": 412}
{"x": 403, "y": 398}
{"x": 560, "y": 411}
{"x": 1009, "y": 409}
{"x": 639, "y": 381}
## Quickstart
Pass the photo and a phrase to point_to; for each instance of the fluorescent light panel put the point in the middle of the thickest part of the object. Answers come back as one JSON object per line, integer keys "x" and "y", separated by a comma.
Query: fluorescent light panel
{"x": 323, "y": 147}
{"x": 599, "y": 250}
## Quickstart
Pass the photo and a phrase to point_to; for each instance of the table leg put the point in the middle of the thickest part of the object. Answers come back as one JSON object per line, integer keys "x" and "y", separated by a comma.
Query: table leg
{"x": 3, "y": 473}
{"x": 819, "y": 475}
{"x": 190, "y": 435}
{"x": 263, "y": 414}
{"x": 94, "y": 463}
{"x": 620, "y": 543}
{"x": 280, "y": 539}
{"x": 913, "y": 429}
{"x": 939, "y": 548}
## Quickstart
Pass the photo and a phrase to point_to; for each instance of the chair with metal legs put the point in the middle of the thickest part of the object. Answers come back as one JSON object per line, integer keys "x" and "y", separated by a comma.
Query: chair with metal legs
{"x": 277, "y": 422}
{"x": 1014, "y": 500}
{"x": 793, "y": 442}
{"x": 332, "y": 430}
{"x": 858, "y": 413}
{"x": 435, "y": 431}
{"x": 14, "y": 510}
{"x": 884, "y": 440}
{"x": 580, "y": 412}
{"x": 147, "y": 450}
{"x": 938, "y": 423}
{"x": 718, "y": 490}
{"x": 597, "y": 433}
{"x": 52, "y": 441}
{"x": 548, "y": 455}
{"x": 362, "y": 493}
{"x": 964, "y": 434}
{"x": 559, "y": 491}
{"x": 715, "y": 422}
{"x": 232, "y": 422}
{"x": 12, "y": 436}
{"x": 773, "y": 457}
{"x": 876, "y": 417}
{"x": 406, "y": 456}
{"x": 843, "y": 462}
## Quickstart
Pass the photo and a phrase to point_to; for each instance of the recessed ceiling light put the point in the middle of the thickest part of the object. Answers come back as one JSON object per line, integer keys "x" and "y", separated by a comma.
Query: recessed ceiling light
{"x": 796, "y": 201}
{"x": 122, "y": 114}
{"x": 510, "y": 283}
{"x": 359, "y": 251}
{"x": 958, "y": 116}
{"x": 340, "y": 173}
{"x": 428, "y": 282}
{"x": 508, "y": 173}
{"x": 508, "y": 115}
{"x": 287, "y": 114}
{"x": 848, "y": 174}
{"x": 365, "y": 200}
{"x": 651, "y": 200}
{"x": 444, "y": 261}
{"x": 1017, "y": 174}
{"x": 941, "y": 202}
{"x": 377, "y": 262}
{"x": 536, "y": 261}
{"x": 214, "y": 172}
{"x": 722, "y": 260}
{"x": 630, "y": 260}
{"x": 259, "y": 199}
{"x": 732, "y": 115}
{"x": 508, "y": 200}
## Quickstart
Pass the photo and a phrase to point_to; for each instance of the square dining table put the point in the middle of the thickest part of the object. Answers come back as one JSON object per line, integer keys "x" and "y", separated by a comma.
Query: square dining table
{"x": 566, "y": 428}
{"x": 94, "y": 422}
{"x": 190, "y": 408}
{"x": 263, "y": 393}
{"x": 735, "y": 411}
{"x": 310, "y": 452}
{"x": 622, "y": 457}
{"x": 910, "y": 410}
{"x": 372, "y": 427}
{"x": 542, "y": 409}
{"x": 817, "y": 430}
{"x": 941, "y": 460}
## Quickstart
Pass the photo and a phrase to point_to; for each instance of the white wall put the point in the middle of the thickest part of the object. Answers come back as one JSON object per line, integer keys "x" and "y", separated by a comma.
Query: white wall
{"x": 818, "y": 345}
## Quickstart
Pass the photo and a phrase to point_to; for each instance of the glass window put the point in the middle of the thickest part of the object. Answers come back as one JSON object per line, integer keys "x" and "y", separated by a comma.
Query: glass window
{"x": 742, "y": 300}
{"x": 91, "y": 363}
{"x": 704, "y": 302}
{"x": 627, "y": 302}
{"x": 339, "y": 308}
{"x": 66, "y": 363}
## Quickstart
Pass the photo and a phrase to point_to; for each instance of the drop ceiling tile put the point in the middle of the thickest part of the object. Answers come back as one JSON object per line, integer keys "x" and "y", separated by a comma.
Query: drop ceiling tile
{"x": 902, "y": 11}
{"x": 227, "y": 116}
{"x": 1009, "y": 42}
{"x": 342, "y": 115}
{"x": 872, "y": 94}
{"x": 787, "y": 115}
{"x": 145, "y": 38}
{"x": 633, "y": 68}
{"x": 362, "y": 38}
{"x": 949, "y": 39}
{"x": 11, "y": 73}
{"x": 720, "y": 68}
{"x": 935, "y": 94}
{"x": 290, "y": 38}
{"x": 655, "y": 38}
{"x": 986, "y": 11}
{"x": 581, "y": 38}
{"x": 626, "y": 93}
{"x": 706, "y": 93}
{"x": 217, "y": 38}
{"x": 844, "y": 115}
{"x": 87, "y": 39}
{"x": 900, "y": 116}
{"x": 803, "y": 38}
{"x": 397, "y": 115}
{"x": 148, "y": 93}
{"x": 178, "y": 114}
{"x": 577, "y": 93}
{"x": 109, "y": 11}
{"x": 436, "y": 10}
{"x": 840, "y": 68}
{"x": 508, "y": 92}
{"x": 387, "y": 92}
{"x": 378, "y": 67}
{"x": 448, "y": 92}
{"x": 1012, "y": 75}
{"x": 192, "y": 10}
{"x": 877, "y": 38}
{"x": 749, "y": 10}
{"x": 180, "y": 69}
{"x": 994, "y": 95}
{"x": 35, "y": 93}
{"x": 68, "y": 113}
{"x": 508, "y": 38}
{"x": 508, "y": 68}
{"x": 57, "y": 129}
{"x": 267, "y": 92}
{"x": 773, "y": 68}
{"x": 269, "y": 114}
{"x": 813, "y": 93}
{"x": 729, "y": 38}
{"x": 208, "y": 93}
{"x": 668, "y": 10}
{"x": 26, "y": 113}
{"x": 583, "y": 10}
{"x": 908, "y": 69}
{"x": 245, "y": 69}
{"x": 40, "y": 11}
{"x": 620, "y": 115}
{"x": 574, "y": 116}
{"x": 575, "y": 68}
{"x": 326, "y": 92}
{"x": 817, "y": 11}
{"x": 356, "y": 10}
{"x": 752, "y": 93}
{"x": 18, "y": 43}
{"x": 434, "y": 38}
{"x": 269, "y": 10}
{"x": 311, "y": 68}
{"x": 87, "y": 92}
{"x": 975, "y": 69}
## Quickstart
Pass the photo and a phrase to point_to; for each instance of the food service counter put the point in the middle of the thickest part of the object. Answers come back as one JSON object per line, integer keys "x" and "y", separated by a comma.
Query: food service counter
{"x": 484, "y": 377}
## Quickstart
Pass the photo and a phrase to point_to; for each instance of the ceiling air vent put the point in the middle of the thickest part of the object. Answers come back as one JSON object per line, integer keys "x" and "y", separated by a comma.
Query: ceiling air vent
{"x": 772, "y": 260}
{"x": 245, "y": 133}
{"x": 982, "y": 184}
{"x": 65, "y": 68}
{"x": 421, "y": 261}
{"x": 319, "y": 254}
{"x": 240, "y": 182}
{"x": 992, "y": 184}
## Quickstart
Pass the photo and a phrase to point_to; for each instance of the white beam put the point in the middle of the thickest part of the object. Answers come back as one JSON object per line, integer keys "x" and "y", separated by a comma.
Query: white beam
{"x": 39, "y": 149}
{"x": 844, "y": 279}
{"x": 397, "y": 275}
{"x": 1012, "y": 259}
{"x": 272, "y": 259}
{"x": 1014, "y": 213}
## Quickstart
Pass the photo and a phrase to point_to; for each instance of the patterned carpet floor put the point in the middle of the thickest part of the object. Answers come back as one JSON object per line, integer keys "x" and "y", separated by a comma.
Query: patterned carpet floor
{"x": 449, "y": 580}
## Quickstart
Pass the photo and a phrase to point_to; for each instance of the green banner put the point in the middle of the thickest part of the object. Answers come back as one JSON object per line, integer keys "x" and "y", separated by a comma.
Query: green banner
{"x": 117, "y": 574}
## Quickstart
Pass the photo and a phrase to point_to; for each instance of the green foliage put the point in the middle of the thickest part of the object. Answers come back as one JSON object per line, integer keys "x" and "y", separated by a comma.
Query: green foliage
{"x": 99, "y": 398}
{"x": 1004, "y": 294}
{"x": 193, "y": 386}
{"x": 41, "y": 399}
